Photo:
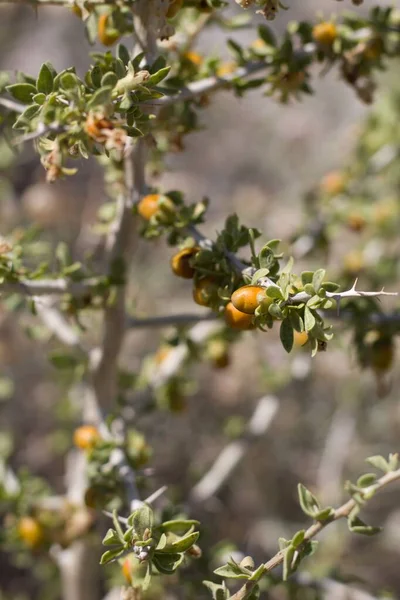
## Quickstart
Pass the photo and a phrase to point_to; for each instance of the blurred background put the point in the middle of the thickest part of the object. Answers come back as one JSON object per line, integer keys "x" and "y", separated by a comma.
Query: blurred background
{"x": 259, "y": 159}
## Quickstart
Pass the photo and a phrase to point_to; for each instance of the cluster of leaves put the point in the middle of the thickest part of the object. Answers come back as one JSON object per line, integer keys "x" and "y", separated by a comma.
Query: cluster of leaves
{"x": 293, "y": 551}
{"x": 161, "y": 547}
{"x": 75, "y": 118}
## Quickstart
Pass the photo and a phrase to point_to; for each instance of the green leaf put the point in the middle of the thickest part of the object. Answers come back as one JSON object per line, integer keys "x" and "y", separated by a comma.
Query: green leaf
{"x": 111, "y": 539}
{"x": 309, "y": 319}
{"x": 267, "y": 35}
{"x": 141, "y": 520}
{"x": 324, "y": 514}
{"x": 69, "y": 81}
{"x": 358, "y": 526}
{"x": 62, "y": 360}
{"x": 22, "y": 91}
{"x": 366, "y": 480}
{"x": 317, "y": 279}
{"x": 177, "y": 525}
{"x": 274, "y": 291}
{"x": 218, "y": 591}
{"x": 266, "y": 257}
{"x": 307, "y": 277}
{"x": 26, "y": 117}
{"x": 231, "y": 571}
{"x": 101, "y": 97}
{"x": 110, "y": 555}
{"x": 379, "y": 463}
{"x": 180, "y": 545}
{"x": 286, "y": 335}
{"x": 298, "y": 538}
{"x": 287, "y": 562}
{"x": 329, "y": 286}
{"x": 44, "y": 82}
{"x": 123, "y": 54}
{"x": 308, "y": 501}
{"x": 167, "y": 563}
{"x": 159, "y": 76}
{"x": 109, "y": 79}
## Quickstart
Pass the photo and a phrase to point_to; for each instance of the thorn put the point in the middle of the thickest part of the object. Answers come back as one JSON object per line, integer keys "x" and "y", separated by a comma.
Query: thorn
{"x": 120, "y": 519}
{"x": 156, "y": 494}
{"x": 354, "y": 284}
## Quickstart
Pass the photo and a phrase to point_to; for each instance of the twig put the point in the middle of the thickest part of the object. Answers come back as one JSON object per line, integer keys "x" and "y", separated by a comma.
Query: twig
{"x": 334, "y": 454}
{"x": 233, "y": 453}
{"x": 177, "y": 356}
{"x": 49, "y": 287}
{"x": 340, "y": 513}
{"x": 168, "y": 320}
{"x": 57, "y": 324}
{"x": 11, "y": 104}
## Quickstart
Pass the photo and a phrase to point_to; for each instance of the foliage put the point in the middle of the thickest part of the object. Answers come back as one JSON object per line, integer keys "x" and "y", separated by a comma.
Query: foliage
{"x": 128, "y": 111}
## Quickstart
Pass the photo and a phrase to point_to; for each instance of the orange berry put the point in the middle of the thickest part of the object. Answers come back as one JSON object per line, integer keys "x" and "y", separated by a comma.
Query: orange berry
{"x": 86, "y": 437}
{"x": 325, "y": 33}
{"x": 300, "y": 338}
{"x": 382, "y": 354}
{"x": 226, "y": 68}
{"x": 127, "y": 571}
{"x": 173, "y": 8}
{"x": 194, "y": 57}
{"x": 106, "y": 33}
{"x": 181, "y": 262}
{"x": 237, "y": 319}
{"x": 154, "y": 204}
{"x": 356, "y": 222}
{"x": 333, "y": 183}
{"x": 30, "y": 531}
{"x": 205, "y": 291}
{"x": 247, "y": 298}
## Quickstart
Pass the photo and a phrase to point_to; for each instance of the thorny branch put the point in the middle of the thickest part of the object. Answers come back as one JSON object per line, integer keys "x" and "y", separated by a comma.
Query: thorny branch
{"x": 340, "y": 513}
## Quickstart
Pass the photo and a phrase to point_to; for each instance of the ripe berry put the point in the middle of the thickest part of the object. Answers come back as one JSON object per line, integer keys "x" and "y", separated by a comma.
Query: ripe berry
{"x": 127, "y": 571}
{"x": 181, "y": 262}
{"x": 300, "y": 338}
{"x": 86, "y": 437}
{"x": 325, "y": 33}
{"x": 382, "y": 354}
{"x": 106, "y": 33}
{"x": 237, "y": 319}
{"x": 154, "y": 204}
{"x": 247, "y": 298}
{"x": 205, "y": 291}
{"x": 30, "y": 531}
{"x": 333, "y": 183}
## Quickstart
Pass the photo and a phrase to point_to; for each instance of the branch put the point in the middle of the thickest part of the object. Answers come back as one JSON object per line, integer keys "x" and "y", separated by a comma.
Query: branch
{"x": 57, "y": 324}
{"x": 340, "y": 513}
{"x": 233, "y": 453}
{"x": 49, "y": 287}
{"x": 211, "y": 84}
{"x": 11, "y": 104}
{"x": 168, "y": 320}
{"x": 177, "y": 356}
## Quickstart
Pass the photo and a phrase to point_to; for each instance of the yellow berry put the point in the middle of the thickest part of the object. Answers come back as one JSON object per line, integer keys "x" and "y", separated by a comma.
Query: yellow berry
{"x": 30, "y": 531}
{"x": 237, "y": 319}
{"x": 154, "y": 204}
{"x": 86, "y": 437}
{"x": 205, "y": 291}
{"x": 181, "y": 262}
{"x": 325, "y": 33}
{"x": 300, "y": 338}
{"x": 247, "y": 298}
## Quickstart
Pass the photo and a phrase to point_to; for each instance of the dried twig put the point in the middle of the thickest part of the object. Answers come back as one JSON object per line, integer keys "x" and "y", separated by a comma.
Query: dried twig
{"x": 233, "y": 453}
